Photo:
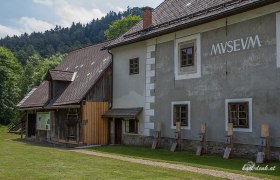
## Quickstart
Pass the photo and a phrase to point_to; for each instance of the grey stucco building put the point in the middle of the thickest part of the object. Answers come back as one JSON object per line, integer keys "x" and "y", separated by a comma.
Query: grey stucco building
{"x": 215, "y": 64}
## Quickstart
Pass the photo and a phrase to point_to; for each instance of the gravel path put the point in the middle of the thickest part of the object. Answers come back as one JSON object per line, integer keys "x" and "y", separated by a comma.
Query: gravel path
{"x": 210, "y": 172}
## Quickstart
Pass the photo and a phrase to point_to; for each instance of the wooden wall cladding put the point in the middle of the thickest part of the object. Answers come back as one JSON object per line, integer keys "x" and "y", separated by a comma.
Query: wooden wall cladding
{"x": 95, "y": 128}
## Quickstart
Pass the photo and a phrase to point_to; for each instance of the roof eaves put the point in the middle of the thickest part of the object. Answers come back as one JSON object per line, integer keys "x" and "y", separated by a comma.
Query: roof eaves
{"x": 26, "y": 97}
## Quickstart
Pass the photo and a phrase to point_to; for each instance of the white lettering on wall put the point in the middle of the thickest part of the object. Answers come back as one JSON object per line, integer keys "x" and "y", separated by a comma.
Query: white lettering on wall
{"x": 236, "y": 45}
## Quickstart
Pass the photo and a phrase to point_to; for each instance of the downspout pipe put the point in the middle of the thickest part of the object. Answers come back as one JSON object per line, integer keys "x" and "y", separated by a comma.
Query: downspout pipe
{"x": 112, "y": 80}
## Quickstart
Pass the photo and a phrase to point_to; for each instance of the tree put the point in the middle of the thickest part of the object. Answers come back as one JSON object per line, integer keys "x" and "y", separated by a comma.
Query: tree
{"x": 36, "y": 69}
{"x": 120, "y": 26}
{"x": 10, "y": 86}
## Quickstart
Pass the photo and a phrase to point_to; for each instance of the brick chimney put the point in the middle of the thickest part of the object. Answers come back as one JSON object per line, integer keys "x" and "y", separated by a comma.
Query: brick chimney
{"x": 147, "y": 17}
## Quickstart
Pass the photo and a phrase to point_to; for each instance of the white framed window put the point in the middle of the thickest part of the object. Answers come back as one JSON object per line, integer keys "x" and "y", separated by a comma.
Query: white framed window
{"x": 278, "y": 39}
{"x": 131, "y": 126}
{"x": 43, "y": 120}
{"x": 239, "y": 112}
{"x": 181, "y": 112}
{"x": 187, "y": 57}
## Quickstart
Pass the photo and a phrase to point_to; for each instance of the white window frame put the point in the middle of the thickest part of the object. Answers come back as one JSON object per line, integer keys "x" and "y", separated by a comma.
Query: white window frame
{"x": 126, "y": 120}
{"x": 197, "y": 39}
{"x": 250, "y": 108}
{"x": 46, "y": 115}
{"x": 189, "y": 114}
{"x": 278, "y": 39}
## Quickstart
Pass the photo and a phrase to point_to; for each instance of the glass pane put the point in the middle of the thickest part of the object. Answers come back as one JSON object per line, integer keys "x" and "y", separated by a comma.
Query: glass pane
{"x": 184, "y": 122}
{"x": 183, "y": 108}
{"x": 243, "y": 115}
{"x": 233, "y": 107}
{"x": 190, "y": 61}
{"x": 234, "y": 115}
{"x": 184, "y": 51}
{"x": 243, "y": 122}
{"x": 183, "y": 115}
{"x": 190, "y": 55}
{"x": 235, "y": 122}
{"x": 243, "y": 107}
{"x": 132, "y": 126}
{"x": 183, "y": 57}
{"x": 190, "y": 51}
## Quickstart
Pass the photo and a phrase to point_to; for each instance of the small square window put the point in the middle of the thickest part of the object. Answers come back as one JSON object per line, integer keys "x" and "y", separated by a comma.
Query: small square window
{"x": 187, "y": 56}
{"x": 131, "y": 126}
{"x": 238, "y": 114}
{"x": 134, "y": 66}
{"x": 180, "y": 114}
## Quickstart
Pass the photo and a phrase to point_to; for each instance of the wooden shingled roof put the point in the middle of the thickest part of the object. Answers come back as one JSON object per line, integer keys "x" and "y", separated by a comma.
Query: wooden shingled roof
{"x": 174, "y": 15}
{"x": 58, "y": 75}
{"x": 123, "y": 113}
{"x": 37, "y": 97}
{"x": 81, "y": 68}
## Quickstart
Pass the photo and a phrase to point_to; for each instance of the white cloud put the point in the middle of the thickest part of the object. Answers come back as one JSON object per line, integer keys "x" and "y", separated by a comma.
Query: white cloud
{"x": 69, "y": 13}
{"x": 25, "y": 25}
{"x": 120, "y": 8}
{"x": 113, "y": 7}
{"x": 4, "y": 31}
{"x": 48, "y": 3}
{"x": 30, "y": 25}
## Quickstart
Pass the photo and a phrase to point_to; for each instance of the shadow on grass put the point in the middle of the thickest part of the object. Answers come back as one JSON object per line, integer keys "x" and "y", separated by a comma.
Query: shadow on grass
{"x": 41, "y": 144}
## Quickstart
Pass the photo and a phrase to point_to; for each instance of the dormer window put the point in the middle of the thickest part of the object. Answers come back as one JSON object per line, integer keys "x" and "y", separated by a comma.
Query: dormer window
{"x": 58, "y": 81}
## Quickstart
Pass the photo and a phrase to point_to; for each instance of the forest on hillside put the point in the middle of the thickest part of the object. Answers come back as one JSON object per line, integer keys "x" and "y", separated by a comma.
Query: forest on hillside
{"x": 25, "y": 59}
{"x": 63, "y": 39}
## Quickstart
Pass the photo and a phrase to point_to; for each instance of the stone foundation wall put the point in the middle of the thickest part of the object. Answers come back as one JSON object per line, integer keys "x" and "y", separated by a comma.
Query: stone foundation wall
{"x": 240, "y": 150}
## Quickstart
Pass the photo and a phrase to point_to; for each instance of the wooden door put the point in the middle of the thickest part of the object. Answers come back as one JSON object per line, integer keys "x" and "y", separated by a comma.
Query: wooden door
{"x": 95, "y": 128}
{"x": 118, "y": 131}
{"x": 31, "y": 131}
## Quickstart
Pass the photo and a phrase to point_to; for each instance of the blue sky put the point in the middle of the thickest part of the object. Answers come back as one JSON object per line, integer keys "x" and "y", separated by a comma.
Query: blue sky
{"x": 19, "y": 16}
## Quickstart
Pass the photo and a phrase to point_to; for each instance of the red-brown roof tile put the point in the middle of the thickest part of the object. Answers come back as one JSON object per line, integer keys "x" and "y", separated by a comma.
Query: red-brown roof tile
{"x": 173, "y": 15}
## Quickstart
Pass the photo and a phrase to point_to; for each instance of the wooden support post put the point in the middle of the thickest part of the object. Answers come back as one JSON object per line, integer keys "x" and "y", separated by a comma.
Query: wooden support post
{"x": 176, "y": 145}
{"x": 21, "y": 131}
{"x": 202, "y": 138}
{"x": 264, "y": 155}
{"x": 156, "y": 142}
{"x": 229, "y": 140}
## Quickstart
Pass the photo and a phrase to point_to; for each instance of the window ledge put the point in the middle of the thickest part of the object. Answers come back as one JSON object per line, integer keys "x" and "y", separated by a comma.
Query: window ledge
{"x": 133, "y": 134}
{"x": 187, "y": 76}
{"x": 182, "y": 127}
{"x": 242, "y": 130}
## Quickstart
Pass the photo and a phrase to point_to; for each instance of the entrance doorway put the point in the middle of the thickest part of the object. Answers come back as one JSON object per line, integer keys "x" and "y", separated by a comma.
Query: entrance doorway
{"x": 118, "y": 131}
{"x": 31, "y": 131}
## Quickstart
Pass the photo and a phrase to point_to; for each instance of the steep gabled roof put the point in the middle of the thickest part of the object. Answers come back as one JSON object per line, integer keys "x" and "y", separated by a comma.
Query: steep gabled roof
{"x": 81, "y": 68}
{"x": 37, "y": 97}
{"x": 174, "y": 15}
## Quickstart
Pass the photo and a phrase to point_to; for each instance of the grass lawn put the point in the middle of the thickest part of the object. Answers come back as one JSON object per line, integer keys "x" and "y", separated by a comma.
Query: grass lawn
{"x": 19, "y": 160}
{"x": 208, "y": 161}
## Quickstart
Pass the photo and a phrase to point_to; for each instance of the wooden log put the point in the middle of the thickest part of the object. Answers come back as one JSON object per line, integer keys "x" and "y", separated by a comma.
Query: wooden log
{"x": 230, "y": 129}
{"x": 158, "y": 126}
{"x": 203, "y": 128}
{"x": 178, "y": 126}
{"x": 264, "y": 130}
